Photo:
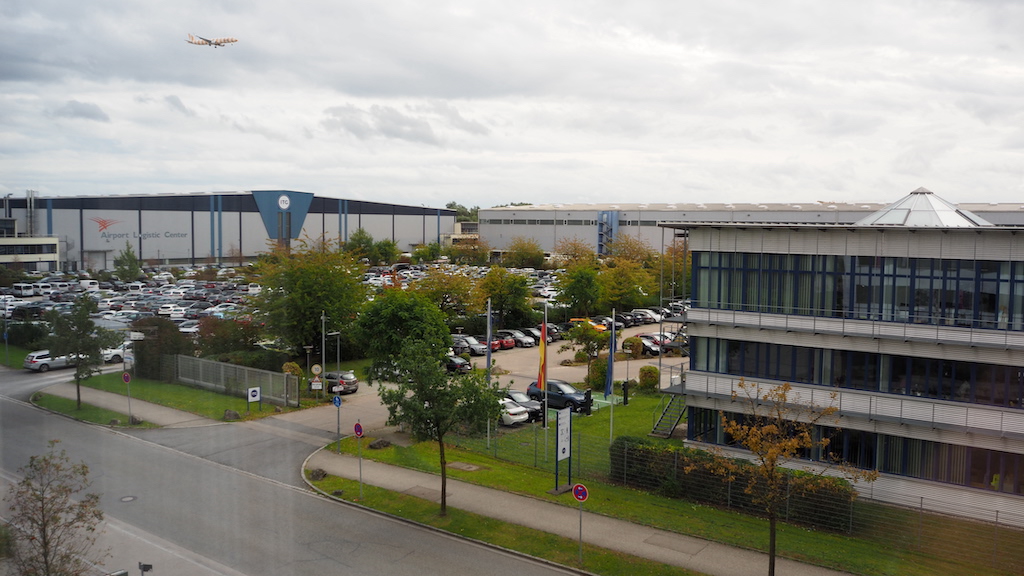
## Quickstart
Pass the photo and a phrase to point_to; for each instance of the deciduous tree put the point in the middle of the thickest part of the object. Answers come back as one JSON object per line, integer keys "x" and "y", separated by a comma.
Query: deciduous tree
{"x": 625, "y": 285}
{"x": 432, "y": 403}
{"x": 579, "y": 289}
{"x": 126, "y": 264}
{"x": 452, "y": 293}
{"x": 160, "y": 337}
{"x": 394, "y": 318}
{"x": 777, "y": 427}
{"x": 76, "y": 336}
{"x": 576, "y": 252}
{"x": 509, "y": 294}
{"x": 53, "y": 522}
{"x": 300, "y": 285}
{"x": 523, "y": 252}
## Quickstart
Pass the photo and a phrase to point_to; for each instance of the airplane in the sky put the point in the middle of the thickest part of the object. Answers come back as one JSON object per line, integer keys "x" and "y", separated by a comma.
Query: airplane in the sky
{"x": 216, "y": 42}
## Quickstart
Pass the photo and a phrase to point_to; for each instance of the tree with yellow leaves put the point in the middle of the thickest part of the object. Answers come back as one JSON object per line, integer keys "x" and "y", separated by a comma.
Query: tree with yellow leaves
{"x": 777, "y": 427}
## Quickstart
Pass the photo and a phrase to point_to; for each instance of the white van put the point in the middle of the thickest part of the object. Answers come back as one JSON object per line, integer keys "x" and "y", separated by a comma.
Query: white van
{"x": 41, "y": 288}
{"x": 89, "y": 285}
{"x": 23, "y": 289}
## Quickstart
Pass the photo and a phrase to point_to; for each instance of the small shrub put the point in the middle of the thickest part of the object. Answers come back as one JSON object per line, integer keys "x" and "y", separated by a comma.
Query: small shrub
{"x": 633, "y": 347}
{"x": 650, "y": 380}
{"x": 580, "y": 357}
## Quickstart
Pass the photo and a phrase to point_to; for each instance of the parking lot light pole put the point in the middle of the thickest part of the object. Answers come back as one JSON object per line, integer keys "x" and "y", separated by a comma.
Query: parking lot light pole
{"x": 309, "y": 348}
{"x": 337, "y": 348}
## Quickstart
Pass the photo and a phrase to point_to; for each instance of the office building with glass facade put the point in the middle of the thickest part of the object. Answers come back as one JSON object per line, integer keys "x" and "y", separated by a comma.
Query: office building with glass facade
{"x": 910, "y": 322}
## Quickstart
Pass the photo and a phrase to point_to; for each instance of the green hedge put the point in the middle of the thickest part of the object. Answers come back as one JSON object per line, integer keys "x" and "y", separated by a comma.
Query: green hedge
{"x": 27, "y": 334}
{"x": 688, "y": 473}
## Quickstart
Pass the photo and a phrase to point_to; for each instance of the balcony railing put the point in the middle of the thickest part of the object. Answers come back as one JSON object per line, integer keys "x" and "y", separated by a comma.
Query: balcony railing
{"x": 938, "y": 333}
{"x": 909, "y": 410}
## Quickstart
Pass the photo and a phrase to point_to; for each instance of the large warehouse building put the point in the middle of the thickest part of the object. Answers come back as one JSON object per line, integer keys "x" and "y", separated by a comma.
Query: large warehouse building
{"x": 221, "y": 227}
{"x": 598, "y": 224}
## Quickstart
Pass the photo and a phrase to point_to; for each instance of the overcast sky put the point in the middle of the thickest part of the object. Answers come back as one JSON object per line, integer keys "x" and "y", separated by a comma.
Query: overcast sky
{"x": 487, "y": 103}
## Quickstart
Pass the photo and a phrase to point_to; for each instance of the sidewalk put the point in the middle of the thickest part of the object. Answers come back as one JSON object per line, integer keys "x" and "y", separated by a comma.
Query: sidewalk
{"x": 613, "y": 534}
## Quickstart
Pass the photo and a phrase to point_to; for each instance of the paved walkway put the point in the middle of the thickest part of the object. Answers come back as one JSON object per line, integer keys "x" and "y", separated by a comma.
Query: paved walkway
{"x": 661, "y": 546}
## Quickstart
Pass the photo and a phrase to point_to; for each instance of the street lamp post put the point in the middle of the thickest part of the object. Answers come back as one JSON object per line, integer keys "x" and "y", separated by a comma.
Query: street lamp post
{"x": 337, "y": 348}
{"x": 309, "y": 348}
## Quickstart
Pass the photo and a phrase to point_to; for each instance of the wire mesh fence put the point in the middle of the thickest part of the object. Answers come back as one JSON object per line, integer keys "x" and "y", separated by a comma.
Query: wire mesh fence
{"x": 275, "y": 387}
{"x": 911, "y": 530}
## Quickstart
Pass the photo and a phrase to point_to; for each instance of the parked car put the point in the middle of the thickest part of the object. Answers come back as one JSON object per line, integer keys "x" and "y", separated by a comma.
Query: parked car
{"x": 457, "y": 365}
{"x": 341, "y": 382}
{"x": 41, "y": 361}
{"x": 649, "y": 316}
{"x": 534, "y": 408}
{"x": 553, "y": 331}
{"x": 462, "y": 343}
{"x": 561, "y": 394}
{"x": 117, "y": 355}
{"x": 626, "y": 320}
{"x": 535, "y": 334}
{"x": 495, "y": 344}
{"x": 512, "y": 413}
{"x": 651, "y": 346}
{"x": 519, "y": 340}
{"x": 588, "y": 322}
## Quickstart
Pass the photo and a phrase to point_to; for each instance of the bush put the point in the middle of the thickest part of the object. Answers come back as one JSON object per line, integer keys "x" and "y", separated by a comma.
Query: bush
{"x": 650, "y": 380}
{"x": 689, "y": 473}
{"x": 269, "y": 360}
{"x": 597, "y": 374}
{"x": 27, "y": 335}
{"x": 632, "y": 347}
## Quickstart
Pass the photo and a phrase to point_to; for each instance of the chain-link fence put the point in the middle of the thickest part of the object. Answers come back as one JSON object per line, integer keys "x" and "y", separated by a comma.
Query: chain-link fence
{"x": 994, "y": 545}
{"x": 275, "y": 387}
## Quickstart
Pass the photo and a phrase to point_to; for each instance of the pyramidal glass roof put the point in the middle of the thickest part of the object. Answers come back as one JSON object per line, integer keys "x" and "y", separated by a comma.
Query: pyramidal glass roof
{"x": 922, "y": 208}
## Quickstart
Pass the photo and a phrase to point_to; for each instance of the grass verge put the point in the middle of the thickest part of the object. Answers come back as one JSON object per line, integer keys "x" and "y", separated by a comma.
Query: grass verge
{"x": 536, "y": 543}
{"x": 87, "y": 413}
{"x": 831, "y": 550}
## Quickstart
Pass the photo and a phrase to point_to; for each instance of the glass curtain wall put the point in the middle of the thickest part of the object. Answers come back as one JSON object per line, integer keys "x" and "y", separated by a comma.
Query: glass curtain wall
{"x": 969, "y": 293}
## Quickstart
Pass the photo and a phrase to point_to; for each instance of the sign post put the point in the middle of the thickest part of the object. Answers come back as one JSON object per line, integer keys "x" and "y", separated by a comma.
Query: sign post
{"x": 359, "y": 444}
{"x": 337, "y": 404}
{"x": 127, "y": 379}
{"x": 563, "y": 444}
{"x": 253, "y": 395}
{"x": 580, "y": 493}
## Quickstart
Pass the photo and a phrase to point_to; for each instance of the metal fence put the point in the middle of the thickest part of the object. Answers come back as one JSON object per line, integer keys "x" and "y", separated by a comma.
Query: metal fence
{"x": 275, "y": 387}
{"x": 913, "y": 532}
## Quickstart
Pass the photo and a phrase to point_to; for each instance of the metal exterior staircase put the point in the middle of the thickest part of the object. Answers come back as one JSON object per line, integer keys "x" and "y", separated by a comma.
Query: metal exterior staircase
{"x": 670, "y": 417}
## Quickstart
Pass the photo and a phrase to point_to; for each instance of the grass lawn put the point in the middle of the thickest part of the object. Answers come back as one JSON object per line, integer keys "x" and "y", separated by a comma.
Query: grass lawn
{"x": 88, "y": 413}
{"x": 195, "y": 400}
{"x": 13, "y": 356}
{"x": 870, "y": 554}
{"x": 536, "y": 543}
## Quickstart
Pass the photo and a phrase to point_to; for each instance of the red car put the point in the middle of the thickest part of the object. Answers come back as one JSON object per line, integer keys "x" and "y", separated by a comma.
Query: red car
{"x": 496, "y": 342}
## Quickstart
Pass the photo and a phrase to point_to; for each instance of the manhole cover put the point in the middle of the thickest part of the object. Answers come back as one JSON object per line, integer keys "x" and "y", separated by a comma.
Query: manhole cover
{"x": 463, "y": 466}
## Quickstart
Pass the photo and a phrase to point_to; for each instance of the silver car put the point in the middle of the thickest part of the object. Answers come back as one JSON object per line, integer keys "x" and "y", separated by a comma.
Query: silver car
{"x": 41, "y": 361}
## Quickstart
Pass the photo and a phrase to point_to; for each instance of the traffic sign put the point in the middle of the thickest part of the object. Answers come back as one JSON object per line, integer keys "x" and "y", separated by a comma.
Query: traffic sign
{"x": 316, "y": 383}
{"x": 254, "y": 394}
{"x": 316, "y": 369}
{"x": 359, "y": 430}
{"x": 337, "y": 401}
{"x": 126, "y": 377}
{"x": 579, "y": 492}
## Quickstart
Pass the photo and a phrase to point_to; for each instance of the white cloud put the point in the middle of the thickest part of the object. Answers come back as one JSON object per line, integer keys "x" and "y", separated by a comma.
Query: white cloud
{"x": 489, "y": 102}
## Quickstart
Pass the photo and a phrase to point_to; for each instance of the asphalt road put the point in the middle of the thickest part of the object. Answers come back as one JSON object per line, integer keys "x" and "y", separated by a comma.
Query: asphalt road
{"x": 231, "y": 505}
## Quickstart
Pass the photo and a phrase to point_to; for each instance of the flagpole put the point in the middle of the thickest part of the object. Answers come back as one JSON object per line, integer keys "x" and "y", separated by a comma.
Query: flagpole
{"x": 609, "y": 388}
{"x": 542, "y": 377}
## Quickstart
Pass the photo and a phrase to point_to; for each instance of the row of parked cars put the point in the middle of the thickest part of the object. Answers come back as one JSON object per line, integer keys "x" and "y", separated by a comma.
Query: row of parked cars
{"x": 518, "y": 406}
{"x": 503, "y": 340}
